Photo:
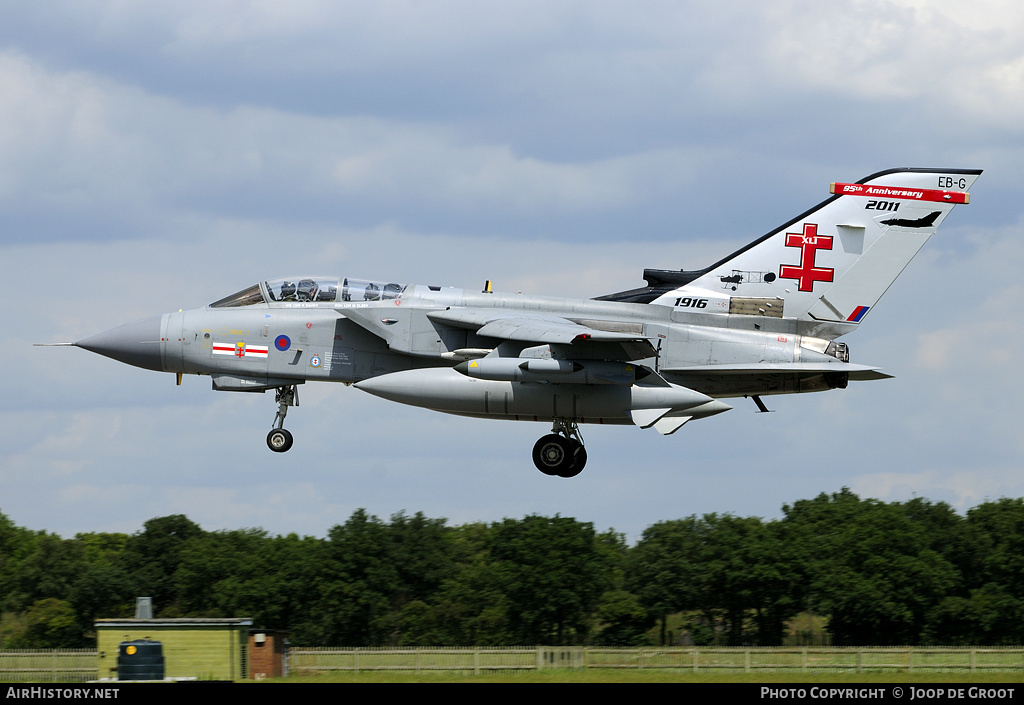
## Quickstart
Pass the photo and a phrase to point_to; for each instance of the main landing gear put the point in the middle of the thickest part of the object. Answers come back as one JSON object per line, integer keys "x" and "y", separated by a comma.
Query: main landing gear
{"x": 279, "y": 440}
{"x": 561, "y": 452}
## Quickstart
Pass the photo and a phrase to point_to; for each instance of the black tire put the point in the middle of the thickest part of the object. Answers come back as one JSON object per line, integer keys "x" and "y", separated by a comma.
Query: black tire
{"x": 552, "y": 454}
{"x": 279, "y": 440}
{"x": 578, "y": 455}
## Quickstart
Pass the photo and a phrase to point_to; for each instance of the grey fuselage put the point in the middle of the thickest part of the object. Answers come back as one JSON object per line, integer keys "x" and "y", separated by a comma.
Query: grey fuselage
{"x": 269, "y": 340}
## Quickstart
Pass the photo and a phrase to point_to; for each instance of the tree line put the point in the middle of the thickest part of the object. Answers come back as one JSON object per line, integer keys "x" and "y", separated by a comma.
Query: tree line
{"x": 873, "y": 573}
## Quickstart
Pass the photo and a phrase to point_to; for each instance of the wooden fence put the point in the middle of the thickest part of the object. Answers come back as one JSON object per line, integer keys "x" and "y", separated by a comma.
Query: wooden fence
{"x": 690, "y": 659}
{"x": 80, "y": 665}
{"x": 49, "y": 666}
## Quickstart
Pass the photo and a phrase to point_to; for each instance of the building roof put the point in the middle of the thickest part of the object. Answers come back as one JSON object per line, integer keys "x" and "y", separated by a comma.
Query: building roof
{"x": 177, "y": 622}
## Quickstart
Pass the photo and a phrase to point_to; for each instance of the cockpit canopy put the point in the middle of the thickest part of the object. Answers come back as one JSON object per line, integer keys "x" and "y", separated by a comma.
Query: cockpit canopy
{"x": 303, "y": 289}
{"x": 361, "y": 290}
{"x": 311, "y": 289}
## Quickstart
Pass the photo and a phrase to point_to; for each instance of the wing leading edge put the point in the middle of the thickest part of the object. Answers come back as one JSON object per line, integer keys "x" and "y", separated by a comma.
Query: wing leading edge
{"x": 545, "y": 329}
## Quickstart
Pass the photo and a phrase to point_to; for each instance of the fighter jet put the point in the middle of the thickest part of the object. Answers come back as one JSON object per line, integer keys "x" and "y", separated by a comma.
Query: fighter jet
{"x": 915, "y": 223}
{"x": 657, "y": 356}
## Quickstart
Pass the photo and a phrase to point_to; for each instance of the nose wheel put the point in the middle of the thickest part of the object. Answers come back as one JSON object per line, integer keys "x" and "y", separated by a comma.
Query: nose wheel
{"x": 280, "y": 439}
{"x": 561, "y": 453}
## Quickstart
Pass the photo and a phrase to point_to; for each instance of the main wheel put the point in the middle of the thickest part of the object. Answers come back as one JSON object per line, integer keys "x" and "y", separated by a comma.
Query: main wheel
{"x": 577, "y": 460}
{"x": 552, "y": 454}
{"x": 279, "y": 440}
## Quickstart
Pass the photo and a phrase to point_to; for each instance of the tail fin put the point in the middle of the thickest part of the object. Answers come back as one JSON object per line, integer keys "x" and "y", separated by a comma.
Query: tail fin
{"x": 834, "y": 262}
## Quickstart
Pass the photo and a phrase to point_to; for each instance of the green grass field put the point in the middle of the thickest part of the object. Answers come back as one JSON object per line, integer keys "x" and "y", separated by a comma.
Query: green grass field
{"x": 594, "y": 675}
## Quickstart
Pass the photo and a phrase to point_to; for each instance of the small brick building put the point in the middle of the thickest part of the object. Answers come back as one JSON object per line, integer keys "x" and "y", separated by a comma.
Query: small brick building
{"x": 268, "y": 653}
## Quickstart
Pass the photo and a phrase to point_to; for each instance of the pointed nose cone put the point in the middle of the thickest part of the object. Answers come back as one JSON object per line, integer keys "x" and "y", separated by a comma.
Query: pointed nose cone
{"x": 136, "y": 343}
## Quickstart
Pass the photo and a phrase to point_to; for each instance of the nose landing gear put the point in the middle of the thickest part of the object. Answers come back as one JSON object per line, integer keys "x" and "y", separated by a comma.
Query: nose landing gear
{"x": 561, "y": 452}
{"x": 279, "y": 439}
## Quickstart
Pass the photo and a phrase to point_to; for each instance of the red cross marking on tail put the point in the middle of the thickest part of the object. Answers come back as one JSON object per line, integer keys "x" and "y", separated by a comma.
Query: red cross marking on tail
{"x": 806, "y": 273}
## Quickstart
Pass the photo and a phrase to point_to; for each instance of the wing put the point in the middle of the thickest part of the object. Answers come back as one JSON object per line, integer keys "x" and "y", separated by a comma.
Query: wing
{"x": 593, "y": 340}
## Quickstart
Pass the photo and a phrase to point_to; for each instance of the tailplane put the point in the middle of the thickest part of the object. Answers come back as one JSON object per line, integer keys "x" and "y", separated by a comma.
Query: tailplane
{"x": 833, "y": 263}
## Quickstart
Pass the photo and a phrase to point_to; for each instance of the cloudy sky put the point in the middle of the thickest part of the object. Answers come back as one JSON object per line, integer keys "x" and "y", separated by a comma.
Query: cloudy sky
{"x": 157, "y": 156}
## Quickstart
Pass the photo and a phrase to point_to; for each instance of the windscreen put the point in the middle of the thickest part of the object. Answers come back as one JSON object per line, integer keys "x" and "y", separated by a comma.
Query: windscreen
{"x": 245, "y": 297}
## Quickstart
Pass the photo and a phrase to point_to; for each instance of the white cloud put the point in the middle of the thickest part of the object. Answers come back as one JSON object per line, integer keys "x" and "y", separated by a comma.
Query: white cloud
{"x": 80, "y": 145}
{"x": 961, "y": 487}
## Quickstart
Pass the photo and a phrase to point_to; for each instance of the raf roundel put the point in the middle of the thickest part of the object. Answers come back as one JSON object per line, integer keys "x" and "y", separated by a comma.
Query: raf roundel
{"x": 282, "y": 343}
